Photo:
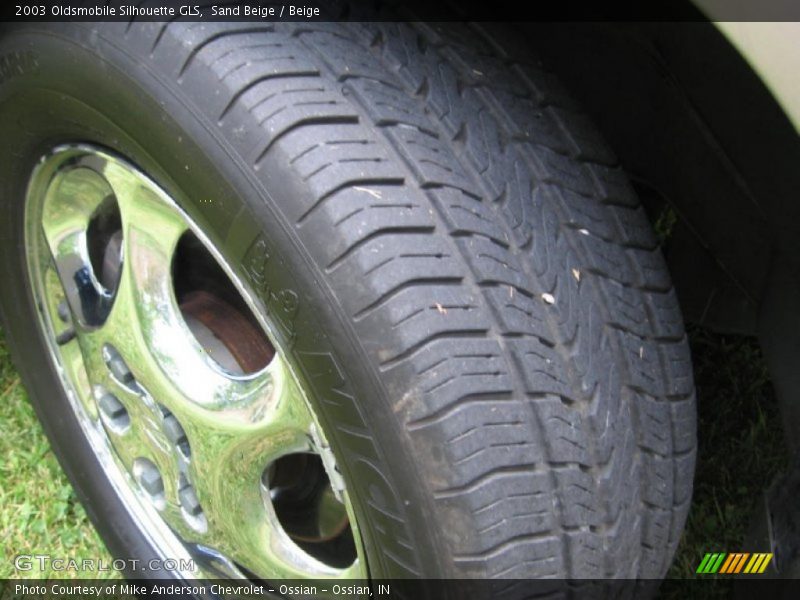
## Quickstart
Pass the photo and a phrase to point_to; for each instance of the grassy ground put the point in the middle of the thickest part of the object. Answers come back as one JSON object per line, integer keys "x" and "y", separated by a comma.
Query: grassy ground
{"x": 740, "y": 452}
{"x": 741, "y": 449}
{"x": 39, "y": 513}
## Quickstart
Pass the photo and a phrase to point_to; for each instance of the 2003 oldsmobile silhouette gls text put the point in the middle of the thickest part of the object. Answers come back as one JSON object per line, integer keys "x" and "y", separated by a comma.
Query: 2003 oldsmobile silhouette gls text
{"x": 186, "y": 10}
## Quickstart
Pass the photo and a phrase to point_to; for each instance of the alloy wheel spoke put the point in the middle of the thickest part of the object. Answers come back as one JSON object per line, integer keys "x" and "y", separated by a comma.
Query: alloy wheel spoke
{"x": 230, "y": 456}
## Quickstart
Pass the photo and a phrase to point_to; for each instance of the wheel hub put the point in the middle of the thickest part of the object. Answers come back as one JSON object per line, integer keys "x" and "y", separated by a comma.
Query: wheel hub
{"x": 225, "y": 333}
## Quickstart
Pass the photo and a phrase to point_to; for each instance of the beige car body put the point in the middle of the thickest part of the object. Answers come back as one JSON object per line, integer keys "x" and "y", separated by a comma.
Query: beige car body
{"x": 772, "y": 48}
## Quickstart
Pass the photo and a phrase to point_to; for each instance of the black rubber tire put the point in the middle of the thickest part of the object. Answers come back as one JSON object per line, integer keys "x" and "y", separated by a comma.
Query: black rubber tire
{"x": 470, "y": 287}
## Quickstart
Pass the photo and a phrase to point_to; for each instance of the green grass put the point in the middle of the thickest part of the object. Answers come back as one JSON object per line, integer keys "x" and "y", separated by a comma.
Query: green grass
{"x": 740, "y": 452}
{"x": 39, "y": 513}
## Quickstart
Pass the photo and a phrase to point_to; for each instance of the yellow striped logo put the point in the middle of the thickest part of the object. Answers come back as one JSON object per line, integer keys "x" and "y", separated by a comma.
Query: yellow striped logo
{"x": 734, "y": 563}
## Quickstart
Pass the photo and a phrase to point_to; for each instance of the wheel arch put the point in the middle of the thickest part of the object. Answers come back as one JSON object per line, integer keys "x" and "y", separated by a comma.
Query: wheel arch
{"x": 699, "y": 132}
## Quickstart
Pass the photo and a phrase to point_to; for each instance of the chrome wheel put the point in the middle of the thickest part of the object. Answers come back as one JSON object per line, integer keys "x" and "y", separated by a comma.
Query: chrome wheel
{"x": 196, "y": 415}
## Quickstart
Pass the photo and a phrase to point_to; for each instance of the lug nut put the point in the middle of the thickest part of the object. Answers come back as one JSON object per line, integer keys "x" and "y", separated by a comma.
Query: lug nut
{"x": 112, "y": 407}
{"x": 118, "y": 367}
{"x": 65, "y": 336}
{"x": 150, "y": 479}
{"x": 173, "y": 429}
{"x": 189, "y": 501}
{"x": 63, "y": 311}
{"x": 175, "y": 433}
{"x": 120, "y": 370}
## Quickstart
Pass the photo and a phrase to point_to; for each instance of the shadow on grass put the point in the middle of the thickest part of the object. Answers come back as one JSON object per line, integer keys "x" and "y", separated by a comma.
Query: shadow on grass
{"x": 740, "y": 451}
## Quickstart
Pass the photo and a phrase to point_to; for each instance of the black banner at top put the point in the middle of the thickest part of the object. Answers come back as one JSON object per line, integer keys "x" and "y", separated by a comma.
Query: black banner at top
{"x": 399, "y": 10}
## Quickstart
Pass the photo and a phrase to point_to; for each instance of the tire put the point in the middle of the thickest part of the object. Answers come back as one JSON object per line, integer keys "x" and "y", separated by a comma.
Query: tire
{"x": 452, "y": 256}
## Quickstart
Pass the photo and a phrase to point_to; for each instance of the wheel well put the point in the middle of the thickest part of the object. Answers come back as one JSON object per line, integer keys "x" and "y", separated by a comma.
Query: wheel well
{"x": 704, "y": 141}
